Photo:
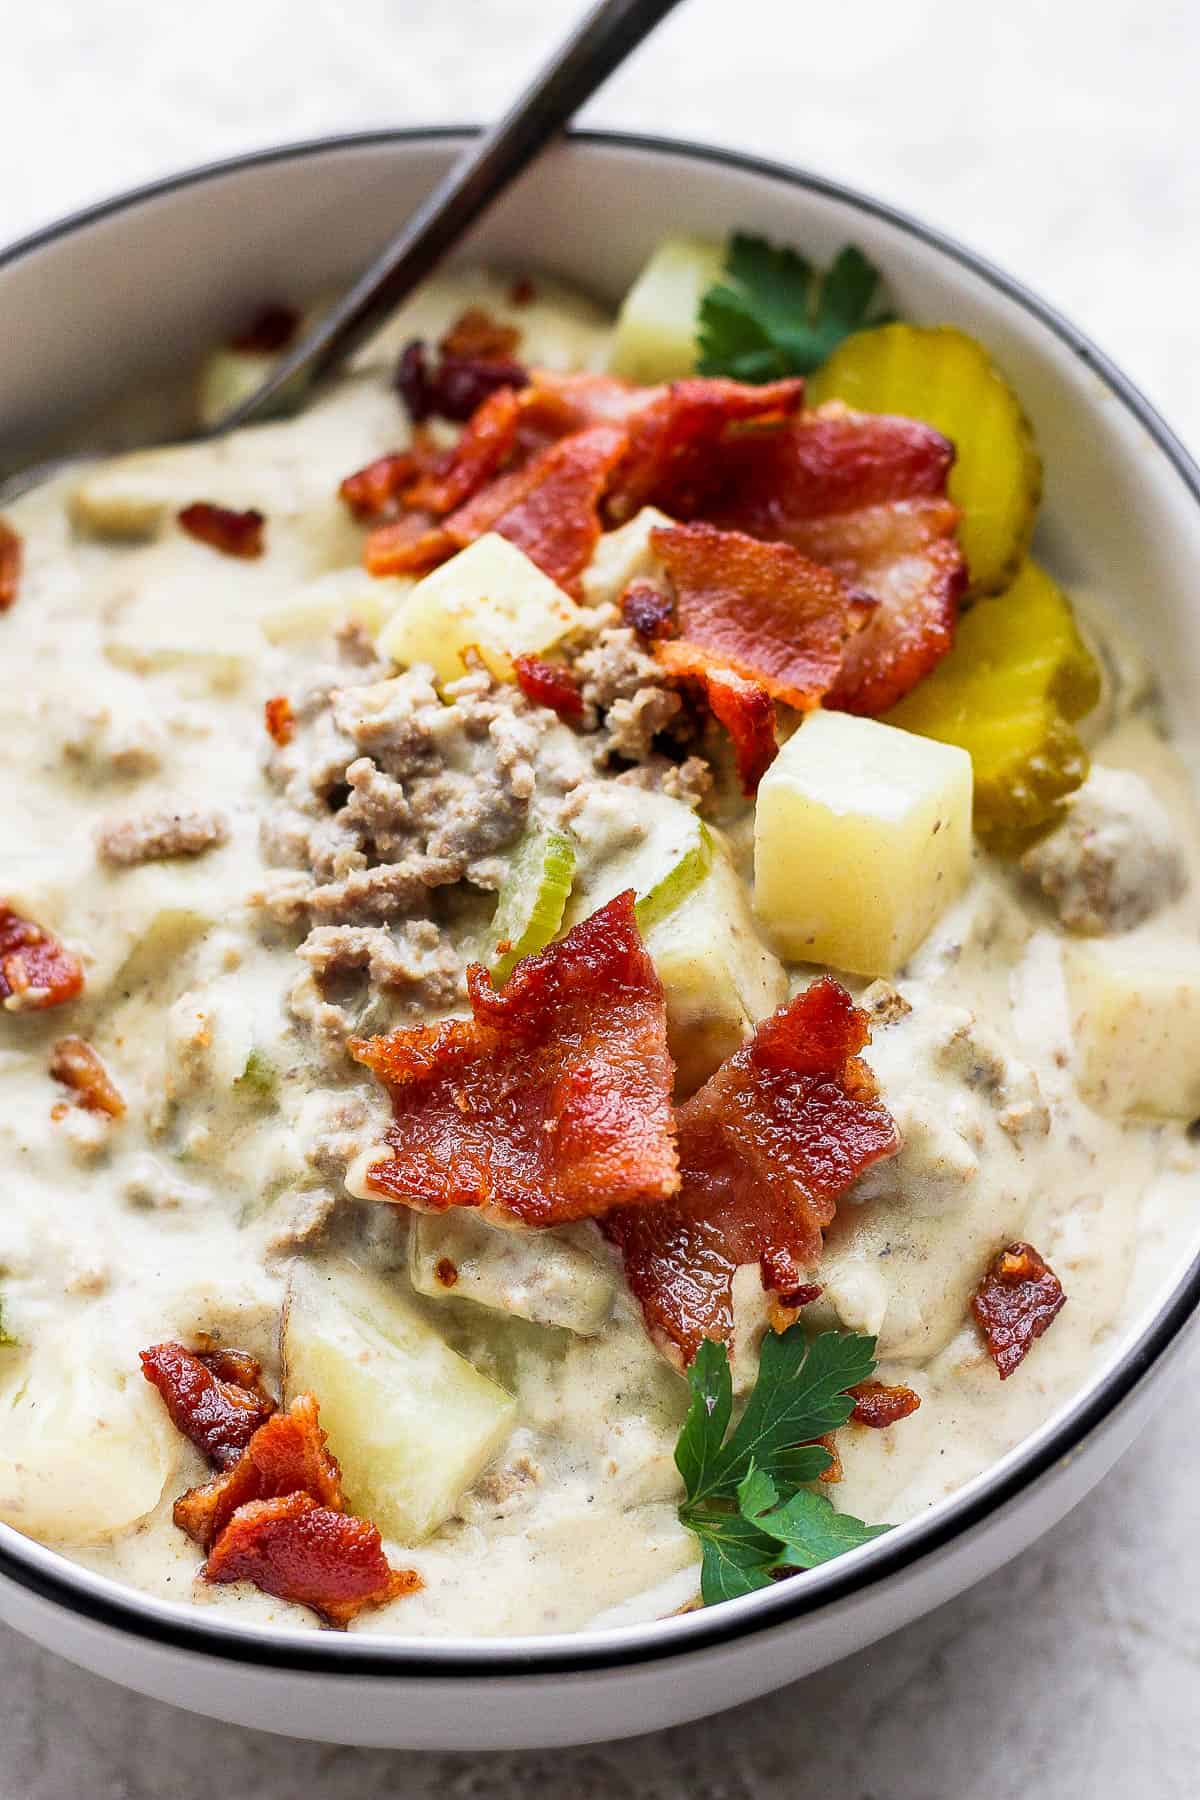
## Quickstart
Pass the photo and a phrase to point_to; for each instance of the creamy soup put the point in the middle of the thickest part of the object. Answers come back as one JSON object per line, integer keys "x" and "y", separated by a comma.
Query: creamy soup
{"x": 245, "y": 905}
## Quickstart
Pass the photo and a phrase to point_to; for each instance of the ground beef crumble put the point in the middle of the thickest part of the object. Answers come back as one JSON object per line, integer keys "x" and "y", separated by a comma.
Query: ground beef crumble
{"x": 155, "y": 836}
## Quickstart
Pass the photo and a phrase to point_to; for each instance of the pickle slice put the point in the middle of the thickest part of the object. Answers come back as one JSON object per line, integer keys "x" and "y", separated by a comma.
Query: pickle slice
{"x": 943, "y": 377}
{"x": 673, "y": 888}
{"x": 1018, "y": 676}
{"x": 532, "y": 900}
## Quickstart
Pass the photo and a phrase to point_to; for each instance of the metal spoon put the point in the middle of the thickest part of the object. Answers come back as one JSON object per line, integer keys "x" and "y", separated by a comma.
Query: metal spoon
{"x": 582, "y": 63}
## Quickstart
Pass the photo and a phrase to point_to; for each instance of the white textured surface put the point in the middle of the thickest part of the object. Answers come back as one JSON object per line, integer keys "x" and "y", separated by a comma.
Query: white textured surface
{"x": 1063, "y": 141}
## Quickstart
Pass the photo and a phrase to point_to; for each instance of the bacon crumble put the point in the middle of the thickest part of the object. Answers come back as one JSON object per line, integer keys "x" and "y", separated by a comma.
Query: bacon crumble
{"x": 648, "y": 611}
{"x": 879, "y": 1404}
{"x": 77, "y": 1066}
{"x": 766, "y": 1149}
{"x": 232, "y": 533}
{"x": 549, "y": 684}
{"x": 271, "y": 330}
{"x": 285, "y": 1454}
{"x": 218, "y": 1404}
{"x": 552, "y": 1103}
{"x": 371, "y": 492}
{"x": 309, "y": 1554}
{"x": 11, "y": 559}
{"x": 1018, "y": 1299}
{"x": 36, "y": 971}
{"x": 280, "y": 718}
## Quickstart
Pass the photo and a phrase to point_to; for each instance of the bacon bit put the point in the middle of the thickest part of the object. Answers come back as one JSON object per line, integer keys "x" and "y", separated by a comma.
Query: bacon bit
{"x": 217, "y": 1414}
{"x": 486, "y": 443}
{"x": 446, "y": 1272}
{"x": 762, "y": 610}
{"x": 1016, "y": 1301}
{"x": 456, "y": 387}
{"x": 744, "y": 708}
{"x": 370, "y": 492}
{"x": 280, "y": 719}
{"x": 286, "y": 1455}
{"x": 76, "y": 1065}
{"x": 299, "y": 1551}
{"x": 679, "y": 437}
{"x": 766, "y": 1149}
{"x": 550, "y": 508}
{"x": 476, "y": 333}
{"x": 522, "y": 292}
{"x": 549, "y": 684}
{"x": 648, "y": 611}
{"x": 551, "y": 1103}
{"x": 270, "y": 331}
{"x": 864, "y": 495}
{"x": 232, "y": 533}
{"x": 835, "y": 1470}
{"x": 11, "y": 555}
{"x": 409, "y": 546}
{"x": 878, "y": 1404}
{"x": 35, "y": 970}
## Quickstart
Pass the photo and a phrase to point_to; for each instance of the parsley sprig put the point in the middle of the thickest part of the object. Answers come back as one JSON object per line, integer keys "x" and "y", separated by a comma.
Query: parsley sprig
{"x": 746, "y": 1495}
{"x": 773, "y": 314}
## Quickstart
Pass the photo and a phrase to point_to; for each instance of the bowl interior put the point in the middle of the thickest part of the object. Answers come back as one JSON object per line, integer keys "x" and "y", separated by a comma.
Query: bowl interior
{"x": 131, "y": 293}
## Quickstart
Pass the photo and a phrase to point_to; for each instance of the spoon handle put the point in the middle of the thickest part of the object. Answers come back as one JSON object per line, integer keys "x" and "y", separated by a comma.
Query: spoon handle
{"x": 600, "y": 42}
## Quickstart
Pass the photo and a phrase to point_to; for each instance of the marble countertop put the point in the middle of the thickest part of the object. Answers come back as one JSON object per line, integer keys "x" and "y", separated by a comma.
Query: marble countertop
{"x": 1062, "y": 141}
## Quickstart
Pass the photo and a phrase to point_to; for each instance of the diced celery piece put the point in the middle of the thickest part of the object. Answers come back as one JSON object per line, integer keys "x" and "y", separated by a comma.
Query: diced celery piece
{"x": 532, "y": 900}
{"x": 655, "y": 337}
{"x": 412, "y": 1424}
{"x": 533, "y": 1275}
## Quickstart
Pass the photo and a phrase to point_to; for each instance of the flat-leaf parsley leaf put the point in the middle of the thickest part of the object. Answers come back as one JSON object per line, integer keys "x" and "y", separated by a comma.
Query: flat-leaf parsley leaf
{"x": 774, "y": 315}
{"x": 746, "y": 1498}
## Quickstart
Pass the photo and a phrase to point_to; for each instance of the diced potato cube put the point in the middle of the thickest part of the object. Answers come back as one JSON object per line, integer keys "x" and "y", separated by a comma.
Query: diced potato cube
{"x": 319, "y": 607}
{"x": 86, "y": 1446}
{"x": 862, "y": 838}
{"x": 411, "y": 1423}
{"x": 655, "y": 338}
{"x": 490, "y": 596}
{"x": 719, "y": 977}
{"x": 531, "y": 1274}
{"x": 227, "y": 377}
{"x": 623, "y": 556}
{"x": 1136, "y": 1015}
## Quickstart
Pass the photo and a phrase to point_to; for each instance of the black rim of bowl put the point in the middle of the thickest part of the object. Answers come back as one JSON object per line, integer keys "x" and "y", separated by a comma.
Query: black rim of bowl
{"x": 68, "y": 1585}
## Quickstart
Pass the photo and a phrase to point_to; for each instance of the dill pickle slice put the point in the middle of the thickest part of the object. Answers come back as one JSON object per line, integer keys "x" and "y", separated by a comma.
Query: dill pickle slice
{"x": 945, "y": 378}
{"x": 532, "y": 900}
{"x": 1018, "y": 677}
{"x": 673, "y": 888}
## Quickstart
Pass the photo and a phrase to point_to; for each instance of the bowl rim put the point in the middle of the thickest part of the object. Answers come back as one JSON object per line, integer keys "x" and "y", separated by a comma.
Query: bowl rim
{"x": 51, "y": 1577}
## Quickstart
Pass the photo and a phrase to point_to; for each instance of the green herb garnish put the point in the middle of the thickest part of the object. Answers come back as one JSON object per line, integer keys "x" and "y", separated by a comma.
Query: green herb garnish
{"x": 258, "y": 1079}
{"x": 747, "y": 1499}
{"x": 774, "y": 315}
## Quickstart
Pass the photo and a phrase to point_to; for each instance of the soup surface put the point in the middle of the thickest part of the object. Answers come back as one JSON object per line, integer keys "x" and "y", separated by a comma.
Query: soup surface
{"x": 272, "y": 802}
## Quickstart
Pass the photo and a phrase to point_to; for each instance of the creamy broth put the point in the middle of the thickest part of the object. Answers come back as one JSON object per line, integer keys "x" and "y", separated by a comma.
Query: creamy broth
{"x": 137, "y": 666}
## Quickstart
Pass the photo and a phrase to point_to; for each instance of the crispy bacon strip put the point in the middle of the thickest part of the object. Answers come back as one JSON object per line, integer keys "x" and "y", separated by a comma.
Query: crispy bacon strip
{"x": 35, "y": 970}
{"x": 549, "y": 684}
{"x": 865, "y": 495}
{"x": 11, "y": 556}
{"x": 550, "y": 508}
{"x": 762, "y": 611}
{"x": 299, "y": 1551}
{"x": 371, "y": 492}
{"x": 744, "y": 708}
{"x": 486, "y": 443}
{"x": 766, "y": 1149}
{"x": 280, "y": 718}
{"x": 232, "y": 533}
{"x": 286, "y": 1455}
{"x": 269, "y": 331}
{"x": 680, "y": 435}
{"x": 77, "y": 1066}
{"x": 218, "y": 1414}
{"x": 553, "y": 1102}
{"x": 409, "y": 546}
{"x": 1016, "y": 1301}
{"x": 878, "y": 1404}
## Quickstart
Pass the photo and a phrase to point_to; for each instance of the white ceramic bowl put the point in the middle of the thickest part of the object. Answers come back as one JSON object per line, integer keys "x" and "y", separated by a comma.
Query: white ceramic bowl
{"x": 128, "y": 292}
